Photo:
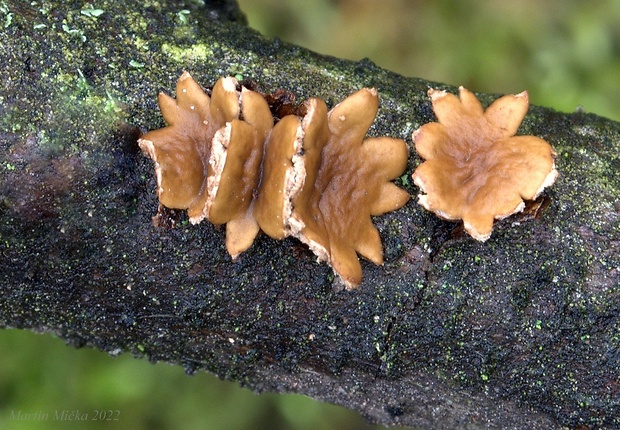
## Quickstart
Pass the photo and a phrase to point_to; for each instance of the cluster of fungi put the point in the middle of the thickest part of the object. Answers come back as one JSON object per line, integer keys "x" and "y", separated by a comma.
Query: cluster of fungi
{"x": 311, "y": 173}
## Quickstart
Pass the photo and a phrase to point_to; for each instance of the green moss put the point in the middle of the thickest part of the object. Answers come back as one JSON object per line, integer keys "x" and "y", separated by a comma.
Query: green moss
{"x": 194, "y": 53}
{"x": 442, "y": 304}
{"x": 79, "y": 110}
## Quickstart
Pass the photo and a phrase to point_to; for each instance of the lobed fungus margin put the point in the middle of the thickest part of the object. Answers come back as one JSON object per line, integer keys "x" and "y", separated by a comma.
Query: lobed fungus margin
{"x": 313, "y": 175}
{"x": 475, "y": 168}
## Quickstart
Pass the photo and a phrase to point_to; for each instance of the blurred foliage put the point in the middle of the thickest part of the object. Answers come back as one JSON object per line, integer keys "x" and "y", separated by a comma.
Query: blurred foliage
{"x": 40, "y": 375}
{"x": 566, "y": 53}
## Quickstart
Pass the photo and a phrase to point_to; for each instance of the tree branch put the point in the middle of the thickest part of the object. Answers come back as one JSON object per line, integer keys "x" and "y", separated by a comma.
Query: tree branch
{"x": 518, "y": 332}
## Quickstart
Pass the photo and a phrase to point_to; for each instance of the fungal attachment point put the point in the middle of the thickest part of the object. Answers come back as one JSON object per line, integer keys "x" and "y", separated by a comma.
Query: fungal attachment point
{"x": 312, "y": 176}
{"x": 475, "y": 168}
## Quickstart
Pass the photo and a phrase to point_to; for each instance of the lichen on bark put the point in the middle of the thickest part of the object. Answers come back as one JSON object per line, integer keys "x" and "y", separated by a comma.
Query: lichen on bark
{"x": 520, "y": 331}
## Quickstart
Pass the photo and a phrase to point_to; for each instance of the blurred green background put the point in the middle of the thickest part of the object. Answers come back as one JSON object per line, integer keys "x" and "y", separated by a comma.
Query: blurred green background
{"x": 39, "y": 374}
{"x": 565, "y": 53}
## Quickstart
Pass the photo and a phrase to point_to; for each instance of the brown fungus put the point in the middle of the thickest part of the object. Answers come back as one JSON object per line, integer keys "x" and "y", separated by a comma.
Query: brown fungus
{"x": 323, "y": 181}
{"x": 347, "y": 182}
{"x": 283, "y": 176}
{"x": 181, "y": 150}
{"x": 475, "y": 169}
{"x": 234, "y": 172}
{"x": 313, "y": 176}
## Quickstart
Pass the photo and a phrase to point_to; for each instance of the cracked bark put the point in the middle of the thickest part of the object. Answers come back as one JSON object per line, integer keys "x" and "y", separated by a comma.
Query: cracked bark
{"x": 518, "y": 332}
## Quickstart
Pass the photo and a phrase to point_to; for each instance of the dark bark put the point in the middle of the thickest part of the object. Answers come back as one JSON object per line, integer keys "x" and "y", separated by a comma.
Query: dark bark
{"x": 519, "y": 332}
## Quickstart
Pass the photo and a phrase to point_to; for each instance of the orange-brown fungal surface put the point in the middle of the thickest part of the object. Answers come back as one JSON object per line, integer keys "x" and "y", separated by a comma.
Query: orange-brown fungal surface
{"x": 332, "y": 212}
{"x": 475, "y": 169}
{"x": 234, "y": 172}
{"x": 314, "y": 177}
{"x": 283, "y": 176}
{"x": 181, "y": 150}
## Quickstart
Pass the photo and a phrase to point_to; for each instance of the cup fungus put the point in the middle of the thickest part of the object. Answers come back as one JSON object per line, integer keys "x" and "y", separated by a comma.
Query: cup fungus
{"x": 475, "y": 169}
{"x": 234, "y": 171}
{"x": 330, "y": 181}
{"x": 312, "y": 176}
{"x": 181, "y": 150}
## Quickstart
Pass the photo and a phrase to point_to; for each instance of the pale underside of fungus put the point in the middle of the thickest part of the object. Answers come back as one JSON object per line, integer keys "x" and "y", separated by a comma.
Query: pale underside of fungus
{"x": 475, "y": 168}
{"x": 312, "y": 176}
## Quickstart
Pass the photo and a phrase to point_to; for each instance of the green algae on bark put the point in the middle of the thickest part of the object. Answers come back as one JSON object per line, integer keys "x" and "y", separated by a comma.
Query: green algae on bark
{"x": 521, "y": 331}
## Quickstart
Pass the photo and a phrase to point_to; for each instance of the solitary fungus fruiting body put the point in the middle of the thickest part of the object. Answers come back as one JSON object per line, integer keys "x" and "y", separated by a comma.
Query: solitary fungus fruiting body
{"x": 311, "y": 176}
{"x": 475, "y": 168}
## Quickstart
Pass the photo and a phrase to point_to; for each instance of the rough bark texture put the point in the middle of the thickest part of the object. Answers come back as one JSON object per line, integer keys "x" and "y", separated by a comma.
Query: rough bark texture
{"x": 522, "y": 331}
